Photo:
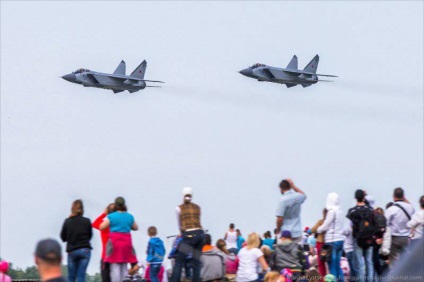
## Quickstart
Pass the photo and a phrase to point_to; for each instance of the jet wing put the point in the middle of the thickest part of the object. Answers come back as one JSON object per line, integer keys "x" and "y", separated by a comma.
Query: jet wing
{"x": 123, "y": 78}
{"x": 299, "y": 72}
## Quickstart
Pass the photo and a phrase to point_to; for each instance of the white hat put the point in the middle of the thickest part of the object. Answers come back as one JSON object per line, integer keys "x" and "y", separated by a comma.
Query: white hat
{"x": 187, "y": 191}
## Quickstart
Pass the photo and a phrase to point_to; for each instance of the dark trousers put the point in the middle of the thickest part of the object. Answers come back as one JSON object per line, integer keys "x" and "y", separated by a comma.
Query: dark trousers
{"x": 105, "y": 271}
{"x": 399, "y": 244}
{"x": 192, "y": 243}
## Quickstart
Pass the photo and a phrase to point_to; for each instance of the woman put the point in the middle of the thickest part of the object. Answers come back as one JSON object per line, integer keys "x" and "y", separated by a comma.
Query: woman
{"x": 268, "y": 240}
{"x": 320, "y": 242}
{"x": 250, "y": 258}
{"x": 119, "y": 248}
{"x": 333, "y": 227}
{"x": 77, "y": 232}
{"x": 231, "y": 262}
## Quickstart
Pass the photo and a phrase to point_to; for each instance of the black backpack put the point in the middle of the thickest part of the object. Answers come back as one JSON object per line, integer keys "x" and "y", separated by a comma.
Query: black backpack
{"x": 366, "y": 228}
{"x": 380, "y": 222}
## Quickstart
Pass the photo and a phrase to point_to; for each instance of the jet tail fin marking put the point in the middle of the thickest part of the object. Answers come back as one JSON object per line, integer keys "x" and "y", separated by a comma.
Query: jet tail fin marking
{"x": 293, "y": 64}
{"x": 140, "y": 70}
{"x": 313, "y": 65}
{"x": 120, "y": 69}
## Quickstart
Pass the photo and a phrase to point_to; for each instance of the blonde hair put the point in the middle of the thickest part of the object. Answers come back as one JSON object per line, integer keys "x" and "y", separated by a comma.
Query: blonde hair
{"x": 252, "y": 241}
{"x": 272, "y": 276}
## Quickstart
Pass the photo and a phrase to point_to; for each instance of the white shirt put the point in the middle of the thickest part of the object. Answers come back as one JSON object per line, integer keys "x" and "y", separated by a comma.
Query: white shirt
{"x": 248, "y": 264}
{"x": 397, "y": 219}
{"x": 417, "y": 223}
{"x": 231, "y": 240}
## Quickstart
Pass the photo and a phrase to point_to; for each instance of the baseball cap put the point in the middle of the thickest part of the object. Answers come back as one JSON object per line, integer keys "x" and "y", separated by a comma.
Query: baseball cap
{"x": 187, "y": 191}
{"x": 49, "y": 250}
{"x": 286, "y": 234}
{"x": 119, "y": 201}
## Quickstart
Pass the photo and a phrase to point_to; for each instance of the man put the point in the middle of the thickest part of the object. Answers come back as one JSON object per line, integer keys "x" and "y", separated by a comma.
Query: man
{"x": 48, "y": 257}
{"x": 397, "y": 217}
{"x": 289, "y": 255}
{"x": 188, "y": 217}
{"x": 362, "y": 218}
{"x": 104, "y": 266}
{"x": 288, "y": 211}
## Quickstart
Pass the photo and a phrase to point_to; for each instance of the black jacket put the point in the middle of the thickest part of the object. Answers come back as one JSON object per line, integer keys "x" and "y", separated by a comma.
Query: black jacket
{"x": 77, "y": 232}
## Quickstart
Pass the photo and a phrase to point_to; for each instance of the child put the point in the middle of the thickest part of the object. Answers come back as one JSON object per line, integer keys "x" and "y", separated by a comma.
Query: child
{"x": 155, "y": 254}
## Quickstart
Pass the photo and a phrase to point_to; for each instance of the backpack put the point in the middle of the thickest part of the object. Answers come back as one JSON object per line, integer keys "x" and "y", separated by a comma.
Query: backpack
{"x": 380, "y": 222}
{"x": 366, "y": 228}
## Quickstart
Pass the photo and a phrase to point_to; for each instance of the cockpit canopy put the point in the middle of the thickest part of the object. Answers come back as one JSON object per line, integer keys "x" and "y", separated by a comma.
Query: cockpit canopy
{"x": 257, "y": 65}
{"x": 81, "y": 70}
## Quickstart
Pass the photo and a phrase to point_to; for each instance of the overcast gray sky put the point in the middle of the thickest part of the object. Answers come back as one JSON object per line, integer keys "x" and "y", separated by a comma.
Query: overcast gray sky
{"x": 229, "y": 137}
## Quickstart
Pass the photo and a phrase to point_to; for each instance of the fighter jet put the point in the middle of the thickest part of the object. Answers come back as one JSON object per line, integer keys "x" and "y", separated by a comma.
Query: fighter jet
{"x": 117, "y": 82}
{"x": 290, "y": 76}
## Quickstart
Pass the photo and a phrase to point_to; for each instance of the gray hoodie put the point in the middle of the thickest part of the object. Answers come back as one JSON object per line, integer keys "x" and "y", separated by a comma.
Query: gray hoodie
{"x": 287, "y": 255}
{"x": 213, "y": 265}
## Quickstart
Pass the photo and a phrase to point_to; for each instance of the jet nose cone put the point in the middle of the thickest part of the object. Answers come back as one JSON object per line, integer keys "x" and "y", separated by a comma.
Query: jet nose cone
{"x": 70, "y": 77}
{"x": 247, "y": 72}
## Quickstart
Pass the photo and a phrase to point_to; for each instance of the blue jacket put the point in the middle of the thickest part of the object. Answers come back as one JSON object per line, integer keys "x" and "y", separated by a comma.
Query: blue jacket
{"x": 155, "y": 251}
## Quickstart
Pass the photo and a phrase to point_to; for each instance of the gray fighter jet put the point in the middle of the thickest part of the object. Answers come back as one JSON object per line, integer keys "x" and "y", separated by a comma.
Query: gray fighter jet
{"x": 117, "y": 82}
{"x": 290, "y": 76}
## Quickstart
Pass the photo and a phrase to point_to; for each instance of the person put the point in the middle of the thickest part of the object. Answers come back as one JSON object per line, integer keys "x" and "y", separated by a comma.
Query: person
{"x": 348, "y": 248}
{"x": 77, "y": 233}
{"x": 155, "y": 253}
{"x": 230, "y": 238}
{"x": 268, "y": 240}
{"x": 320, "y": 242}
{"x": 104, "y": 234}
{"x": 289, "y": 207}
{"x": 250, "y": 258}
{"x": 240, "y": 240}
{"x": 397, "y": 217}
{"x": 288, "y": 254}
{"x": 272, "y": 276}
{"x": 188, "y": 217}
{"x": 380, "y": 228}
{"x": 333, "y": 227}
{"x": 119, "y": 248}
{"x": 362, "y": 218}
{"x": 213, "y": 262}
{"x": 416, "y": 224}
{"x": 4, "y": 267}
{"x": 48, "y": 259}
{"x": 313, "y": 276}
{"x": 231, "y": 261}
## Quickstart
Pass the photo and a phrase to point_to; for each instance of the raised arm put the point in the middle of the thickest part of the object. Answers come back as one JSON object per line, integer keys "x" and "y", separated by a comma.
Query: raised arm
{"x": 96, "y": 223}
{"x": 294, "y": 187}
{"x": 105, "y": 224}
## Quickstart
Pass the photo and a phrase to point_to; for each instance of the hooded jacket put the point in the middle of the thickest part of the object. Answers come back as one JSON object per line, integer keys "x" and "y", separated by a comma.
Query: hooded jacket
{"x": 333, "y": 225}
{"x": 213, "y": 265}
{"x": 155, "y": 251}
{"x": 288, "y": 255}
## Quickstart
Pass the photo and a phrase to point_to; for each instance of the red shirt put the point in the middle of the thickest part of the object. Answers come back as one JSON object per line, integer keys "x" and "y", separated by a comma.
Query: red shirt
{"x": 103, "y": 233}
